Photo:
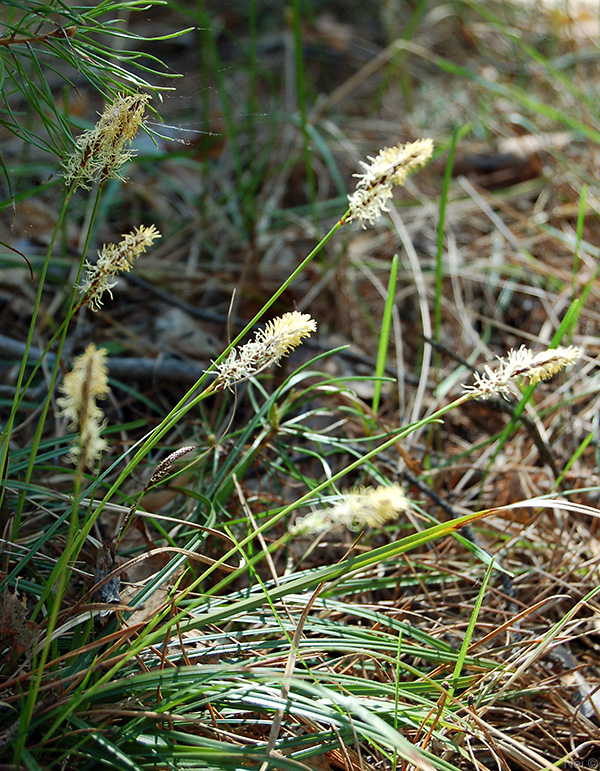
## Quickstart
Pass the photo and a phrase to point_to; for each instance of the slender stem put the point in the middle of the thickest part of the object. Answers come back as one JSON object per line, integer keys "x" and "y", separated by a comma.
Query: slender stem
{"x": 63, "y": 336}
{"x": 384, "y": 337}
{"x": 61, "y": 32}
{"x": 59, "y": 580}
{"x": 187, "y": 403}
{"x": 6, "y": 435}
{"x": 61, "y": 585}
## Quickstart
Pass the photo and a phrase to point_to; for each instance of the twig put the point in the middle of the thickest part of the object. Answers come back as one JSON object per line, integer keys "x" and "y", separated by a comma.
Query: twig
{"x": 161, "y": 369}
{"x": 13, "y": 39}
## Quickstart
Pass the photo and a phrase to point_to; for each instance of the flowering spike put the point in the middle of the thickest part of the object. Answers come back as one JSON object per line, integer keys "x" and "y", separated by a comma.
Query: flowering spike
{"x": 113, "y": 259}
{"x": 389, "y": 168}
{"x": 86, "y": 382}
{"x": 278, "y": 339}
{"x": 365, "y": 507}
{"x": 100, "y": 152}
{"x": 521, "y": 363}
{"x": 164, "y": 467}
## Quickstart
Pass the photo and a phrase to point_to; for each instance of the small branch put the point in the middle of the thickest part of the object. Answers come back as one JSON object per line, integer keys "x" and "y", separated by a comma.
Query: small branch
{"x": 163, "y": 369}
{"x": 61, "y": 32}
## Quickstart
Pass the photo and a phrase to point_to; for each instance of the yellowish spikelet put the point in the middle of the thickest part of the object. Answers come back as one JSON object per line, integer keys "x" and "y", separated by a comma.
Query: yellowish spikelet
{"x": 114, "y": 259}
{"x": 387, "y": 170}
{"x": 100, "y": 152}
{"x": 365, "y": 507}
{"x": 87, "y": 381}
{"x": 521, "y": 364}
{"x": 278, "y": 339}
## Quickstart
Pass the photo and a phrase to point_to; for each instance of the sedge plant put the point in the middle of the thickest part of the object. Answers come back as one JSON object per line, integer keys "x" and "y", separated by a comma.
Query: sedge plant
{"x": 160, "y": 672}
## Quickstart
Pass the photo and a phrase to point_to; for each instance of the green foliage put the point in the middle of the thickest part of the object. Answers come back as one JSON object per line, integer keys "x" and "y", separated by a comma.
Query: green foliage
{"x": 47, "y": 46}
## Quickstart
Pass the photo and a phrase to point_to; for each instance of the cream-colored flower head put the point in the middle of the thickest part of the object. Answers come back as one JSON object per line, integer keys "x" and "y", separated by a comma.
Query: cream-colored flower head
{"x": 87, "y": 381}
{"x": 114, "y": 259}
{"x": 278, "y": 339}
{"x": 365, "y": 507}
{"x": 521, "y": 364}
{"x": 100, "y": 152}
{"x": 388, "y": 169}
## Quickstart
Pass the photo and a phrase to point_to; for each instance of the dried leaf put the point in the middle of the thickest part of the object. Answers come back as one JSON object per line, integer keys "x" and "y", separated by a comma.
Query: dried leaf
{"x": 16, "y": 630}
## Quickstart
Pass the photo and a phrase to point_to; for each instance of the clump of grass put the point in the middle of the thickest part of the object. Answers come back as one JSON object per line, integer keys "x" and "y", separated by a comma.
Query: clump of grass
{"x": 289, "y": 596}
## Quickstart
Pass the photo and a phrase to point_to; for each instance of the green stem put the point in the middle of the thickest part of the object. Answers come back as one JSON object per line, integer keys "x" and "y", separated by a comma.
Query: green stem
{"x": 62, "y": 582}
{"x": 63, "y": 336}
{"x": 188, "y": 402}
{"x": 61, "y": 574}
{"x": 6, "y": 435}
{"x": 185, "y": 405}
{"x": 384, "y": 337}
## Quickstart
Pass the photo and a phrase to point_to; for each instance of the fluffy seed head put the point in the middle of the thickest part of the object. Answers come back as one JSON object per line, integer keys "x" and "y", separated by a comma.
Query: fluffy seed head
{"x": 365, "y": 507}
{"x": 87, "y": 381}
{"x": 518, "y": 364}
{"x": 114, "y": 259}
{"x": 389, "y": 168}
{"x": 100, "y": 152}
{"x": 278, "y": 339}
